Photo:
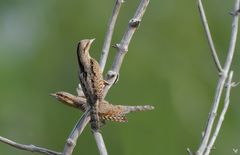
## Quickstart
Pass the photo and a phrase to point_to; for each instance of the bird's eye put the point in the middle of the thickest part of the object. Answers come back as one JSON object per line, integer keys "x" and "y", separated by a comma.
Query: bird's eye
{"x": 60, "y": 95}
{"x": 85, "y": 47}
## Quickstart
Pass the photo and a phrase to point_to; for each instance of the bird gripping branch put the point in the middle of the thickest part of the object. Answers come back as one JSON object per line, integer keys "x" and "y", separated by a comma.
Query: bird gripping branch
{"x": 91, "y": 80}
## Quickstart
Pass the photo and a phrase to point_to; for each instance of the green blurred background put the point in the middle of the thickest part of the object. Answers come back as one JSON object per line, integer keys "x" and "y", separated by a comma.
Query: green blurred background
{"x": 169, "y": 65}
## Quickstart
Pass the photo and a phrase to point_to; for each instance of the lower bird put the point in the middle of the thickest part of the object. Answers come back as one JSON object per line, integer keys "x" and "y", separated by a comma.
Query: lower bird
{"x": 106, "y": 111}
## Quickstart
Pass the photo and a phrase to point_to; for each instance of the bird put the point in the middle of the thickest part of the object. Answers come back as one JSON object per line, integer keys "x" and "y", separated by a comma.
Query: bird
{"x": 106, "y": 110}
{"x": 91, "y": 80}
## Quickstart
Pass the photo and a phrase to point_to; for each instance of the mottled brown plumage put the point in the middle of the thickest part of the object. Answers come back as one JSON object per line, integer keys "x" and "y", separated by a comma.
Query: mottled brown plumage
{"x": 91, "y": 80}
{"x": 106, "y": 111}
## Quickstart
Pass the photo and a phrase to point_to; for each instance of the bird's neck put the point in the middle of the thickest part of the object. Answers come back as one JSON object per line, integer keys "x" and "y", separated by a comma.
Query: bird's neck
{"x": 85, "y": 60}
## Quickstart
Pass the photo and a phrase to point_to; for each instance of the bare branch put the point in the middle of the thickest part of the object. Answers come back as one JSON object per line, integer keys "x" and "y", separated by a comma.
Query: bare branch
{"x": 100, "y": 143}
{"x": 222, "y": 115}
{"x": 30, "y": 147}
{"x": 209, "y": 37}
{"x": 72, "y": 139}
{"x": 221, "y": 81}
{"x": 233, "y": 38}
{"x": 122, "y": 48}
{"x": 108, "y": 37}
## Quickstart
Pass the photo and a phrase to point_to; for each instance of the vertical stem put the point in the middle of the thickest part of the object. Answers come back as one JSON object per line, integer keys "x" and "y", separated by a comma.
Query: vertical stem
{"x": 122, "y": 48}
{"x": 222, "y": 115}
{"x": 221, "y": 80}
{"x": 100, "y": 143}
{"x": 108, "y": 37}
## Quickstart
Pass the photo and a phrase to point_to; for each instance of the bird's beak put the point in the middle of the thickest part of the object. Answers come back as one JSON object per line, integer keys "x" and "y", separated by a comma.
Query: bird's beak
{"x": 53, "y": 94}
{"x": 91, "y": 40}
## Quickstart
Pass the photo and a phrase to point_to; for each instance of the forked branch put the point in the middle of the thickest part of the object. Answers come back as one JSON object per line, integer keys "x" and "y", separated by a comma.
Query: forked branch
{"x": 221, "y": 81}
{"x": 30, "y": 148}
{"x": 122, "y": 47}
{"x": 229, "y": 85}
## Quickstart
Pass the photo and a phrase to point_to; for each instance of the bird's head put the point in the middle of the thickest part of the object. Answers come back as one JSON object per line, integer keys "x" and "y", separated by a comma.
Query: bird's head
{"x": 84, "y": 46}
{"x": 64, "y": 97}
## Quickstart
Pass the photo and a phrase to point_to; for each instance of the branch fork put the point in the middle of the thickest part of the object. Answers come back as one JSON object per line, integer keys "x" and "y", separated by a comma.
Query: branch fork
{"x": 209, "y": 135}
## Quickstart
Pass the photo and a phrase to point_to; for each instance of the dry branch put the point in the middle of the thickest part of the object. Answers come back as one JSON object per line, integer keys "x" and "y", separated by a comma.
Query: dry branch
{"x": 109, "y": 34}
{"x": 222, "y": 115}
{"x": 222, "y": 79}
{"x": 30, "y": 147}
{"x": 122, "y": 47}
{"x": 209, "y": 37}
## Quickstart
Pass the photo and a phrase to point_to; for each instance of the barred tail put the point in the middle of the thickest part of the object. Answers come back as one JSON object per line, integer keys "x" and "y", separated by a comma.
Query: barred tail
{"x": 128, "y": 109}
{"x": 116, "y": 113}
{"x": 115, "y": 118}
{"x": 95, "y": 122}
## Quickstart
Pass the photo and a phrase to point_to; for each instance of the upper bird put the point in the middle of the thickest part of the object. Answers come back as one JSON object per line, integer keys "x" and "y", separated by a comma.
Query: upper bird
{"x": 91, "y": 80}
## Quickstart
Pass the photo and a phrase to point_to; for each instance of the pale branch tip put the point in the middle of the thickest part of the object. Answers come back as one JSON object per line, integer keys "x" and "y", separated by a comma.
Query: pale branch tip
{"x": 189, "y": 151}
{"x": 235, "y": 150}
{"x": 235, "y": 84}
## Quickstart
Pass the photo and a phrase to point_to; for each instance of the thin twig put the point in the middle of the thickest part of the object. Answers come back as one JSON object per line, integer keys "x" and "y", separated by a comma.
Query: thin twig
{"x": 30, "y": 147}
{"x": 221, "y": 81}
{"x": 108, "y": 37}
{"x": 209, "y": 37}
{"x": 72, "y": 139}
{"x": 100, "y": 142}
{"x": 122, "y": 48}
{"x": 222, "y": 115}
{"x": 189, "y": 151}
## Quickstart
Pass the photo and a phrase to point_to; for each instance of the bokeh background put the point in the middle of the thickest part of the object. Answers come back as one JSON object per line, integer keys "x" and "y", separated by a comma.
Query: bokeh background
{"x": 168, "y": 65}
